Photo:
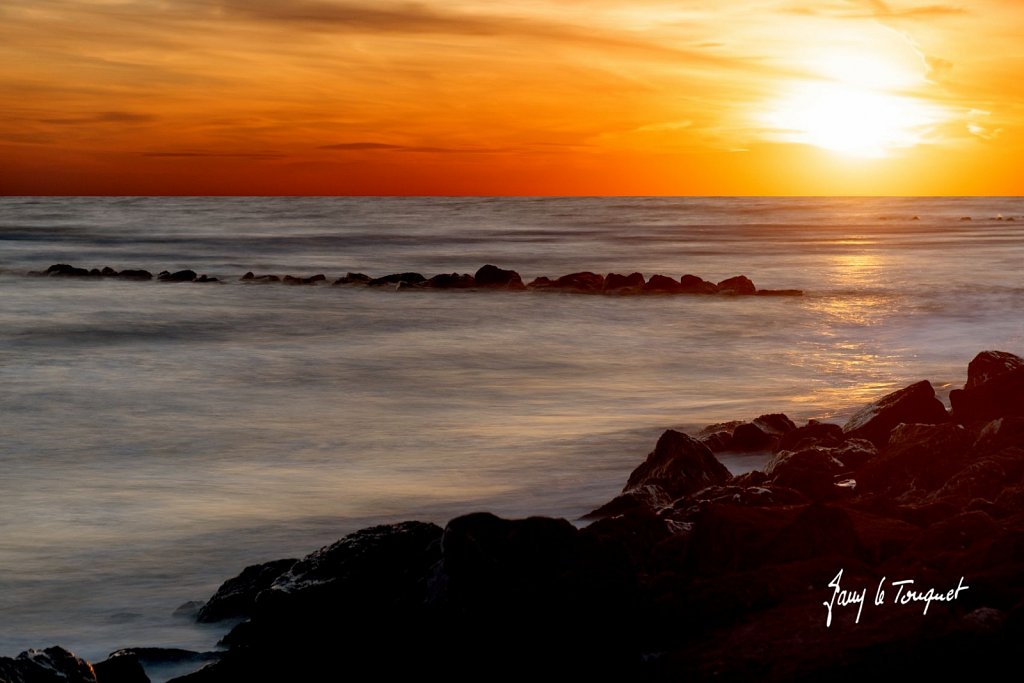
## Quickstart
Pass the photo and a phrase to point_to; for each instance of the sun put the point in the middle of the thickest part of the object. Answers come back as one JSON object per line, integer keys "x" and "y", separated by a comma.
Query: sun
{"x": 854, "y": 120}
{"x": 855, "y": 102}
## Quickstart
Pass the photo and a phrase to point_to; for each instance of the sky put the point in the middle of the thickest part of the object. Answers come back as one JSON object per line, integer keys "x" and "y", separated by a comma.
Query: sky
{"x": 523, "y": 97}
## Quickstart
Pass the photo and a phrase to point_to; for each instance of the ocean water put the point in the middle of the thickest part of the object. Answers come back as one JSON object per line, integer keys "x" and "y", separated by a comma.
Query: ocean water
{"x": 156, "y": 438}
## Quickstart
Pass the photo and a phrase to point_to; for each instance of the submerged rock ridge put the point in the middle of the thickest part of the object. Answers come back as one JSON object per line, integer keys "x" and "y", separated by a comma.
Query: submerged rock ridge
{"x": 488, "y": 277}
{"x": 894, "y": 543}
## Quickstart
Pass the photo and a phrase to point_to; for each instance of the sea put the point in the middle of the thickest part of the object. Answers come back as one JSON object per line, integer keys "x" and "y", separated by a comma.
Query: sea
{"x": 156, "y": 438}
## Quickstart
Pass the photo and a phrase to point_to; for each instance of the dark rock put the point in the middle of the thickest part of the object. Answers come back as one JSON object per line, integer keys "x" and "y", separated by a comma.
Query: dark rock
{"x": 812, "y": 472}
{"x": 65, "y": 270}
{"x": 614, "y": 282}
{"x": 813, "y": 433}
{"x": 752, "y": 478}
{"x": 292, "y": 280}
{"x": 740, "y": 493}
{"x": 490, "y": 563}
{"x": 640, "y": 499}
{"x": 121, "y": 668}
{"x": 403, "y": 286}
{"x": 360, "y": 599}
{"x": 913, "y": 404}
{"x": 662, "y": 284}
{"x": 261, "y": 279}
{"x": 679, "y": 464}
{"x": 353, "y": 279}
{"x": 1010, "y": 500}
{"x": 236, "y": 597}
{"x": 1000, "y": 433}
{"x": 172, "y": 663}
{"x": 179, "y": 276}
{"x": 718, "y": 428}
{"x": 740, "y": 284}
{"x": 718, "y": 437}
{"x": 542, "y": 282}
{"x": 729, "y": 537}
{"x": 499, "y": 575}
{"x": 395, "y": 278}
{"x": 522, "y": 593}
{"x": 775, "y": 424}
{"x": 985, "y": 619}
{"x": 987, "y": 478}
{"x": 882, "y": 537}
{"x": 586, "y": 282}
{"x": 819, "y": 531}
{"x": 691, "y": 284}
{"x": 749, "y": 437}
{"x": 150, "y": 656}
{"x": 188, "y": 609}
{"x": 718, "y": 442}
{"x": 379, "y": 559}
{"x": 995, "y": 388}
{"x": 917, "y": 461}
{"x": 636, "y": 534}
{"x": 950, "y": 539}
{"x": 498, "y": 278}
{"x": 853, "y": 453}
{"x": 451, "y": 281}
{"x": 108, "y": 272}
{"x": 988, "y": 365}
{"x": 95, "y": 272}
{"x": 206, "y": 278}
{"x": 52, "y": 665}
{"x": 130, "y": 274}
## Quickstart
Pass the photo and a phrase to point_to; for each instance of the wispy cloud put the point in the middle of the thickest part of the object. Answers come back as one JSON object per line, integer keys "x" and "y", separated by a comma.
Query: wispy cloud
{"x": 375, "y": 17}
{"x": 978, "y": 125}
{"x": 103, "y": 117}
{"x": 384, "y": 147}
{"x": 224, "y": 155}
{"x": 877, "y": 9}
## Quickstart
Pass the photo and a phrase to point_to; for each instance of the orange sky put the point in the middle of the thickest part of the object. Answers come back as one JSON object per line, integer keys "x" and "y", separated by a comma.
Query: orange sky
{"x": 517, "y": 97}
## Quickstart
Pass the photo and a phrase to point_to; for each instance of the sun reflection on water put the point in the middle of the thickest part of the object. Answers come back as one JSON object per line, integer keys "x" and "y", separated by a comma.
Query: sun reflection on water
{"x": 851, "y": 364}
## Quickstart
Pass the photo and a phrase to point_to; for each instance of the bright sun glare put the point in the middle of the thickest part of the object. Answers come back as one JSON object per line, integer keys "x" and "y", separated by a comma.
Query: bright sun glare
{"x": 851, "y": 120}
{"x": 852, "y": 109}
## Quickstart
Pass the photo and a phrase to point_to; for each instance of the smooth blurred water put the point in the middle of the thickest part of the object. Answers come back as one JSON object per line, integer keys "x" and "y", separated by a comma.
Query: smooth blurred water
{"x": 156, "y": 438}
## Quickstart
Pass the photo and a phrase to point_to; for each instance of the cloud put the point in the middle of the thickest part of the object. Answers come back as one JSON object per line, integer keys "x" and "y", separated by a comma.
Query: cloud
{"x": 374, "y": 17}
{"x": 380, "y": 146}
{"x": 416, "y": 18}
{"x": 882, "y": 10}
{"x": 877, "y": 9}
{"x": 664, "y": 136}
{"x": 975, "y": 119}
{"x": 359, "y": 146}
{"x": 261, "y": 156}
{"x": 102, "y": 117}
{"x": 938, "y": 68}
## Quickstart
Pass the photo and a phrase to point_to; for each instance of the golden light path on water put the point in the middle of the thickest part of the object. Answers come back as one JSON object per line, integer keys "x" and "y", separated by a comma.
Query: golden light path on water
{"x": 864, "y": 273}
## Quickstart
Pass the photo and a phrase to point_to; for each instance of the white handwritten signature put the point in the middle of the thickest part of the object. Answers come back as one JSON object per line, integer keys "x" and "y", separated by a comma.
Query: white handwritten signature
{"x": 842, "y": 597}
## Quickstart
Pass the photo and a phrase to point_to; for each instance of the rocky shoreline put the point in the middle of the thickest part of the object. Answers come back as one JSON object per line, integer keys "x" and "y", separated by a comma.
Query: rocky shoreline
{"x": 890, "y": 546}
{"x": 487, "y": 277}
